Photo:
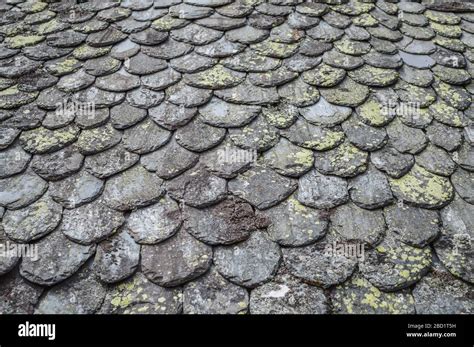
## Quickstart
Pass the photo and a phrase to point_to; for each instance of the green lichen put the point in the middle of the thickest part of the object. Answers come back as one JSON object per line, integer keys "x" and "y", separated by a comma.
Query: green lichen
{"x": 329, "y": 140}
{"x": 39, "y": 17}
{"x": 279, "y": 117}
{"x": 348, "y": 93}
{"x": 454, "y": 96}
{"x": 251, "y": 2}
{"x": 351, "y": 47}
{"x": 303, "y": 158}
{"x": 423, "y": 97}
{"x": 359, "y": 296}
{"x": 346, "y": 160}
{"x": 12, "y": 97}
{"x": 34, "y": 6}
{"x": 90, "y": 136}
{"x": 50, "y": 27}
{"x": 452, "y": 75}
{"x": 355, "y": 8}
{"x": 10, "y": 91}
{"x": 64, "y": 66}
{"x": 20, "y": 41}
{"x": 6, "y": 83}
{"x": 299, "y": 93}
{"x": 403, "y": 264}
{"x": 442, "y": 17}
{"x": 12, "y": 29}
{"x": 374, "y": 76}
{"x": 217, "y": 77}
{"x": 449, "y": 43}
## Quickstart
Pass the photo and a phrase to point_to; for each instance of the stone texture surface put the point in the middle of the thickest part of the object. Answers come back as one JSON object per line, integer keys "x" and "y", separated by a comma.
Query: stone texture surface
{"x": 138, "y": 295}
{"x": 230, "y": 221}
{"x": 393, "y": 265}
{"x": 90, "y": 223}
{"x": 359, "y": 296}
{"x": 84, "y": 286}
{"x": 58, "y": 259}
{"x": 32, "y": 222}
{"x": 293, "y": 224}
{"x": 315, "y": 265}
{"x": 116, "y": 258}
{"x": 213, "y": 294}
{"x": 285, "y": 295}
{"x": 176, "y": 260}
{"x": 249, "y": 263}
{"x": 223, "y": 147}
{"x": 154, "y": 223}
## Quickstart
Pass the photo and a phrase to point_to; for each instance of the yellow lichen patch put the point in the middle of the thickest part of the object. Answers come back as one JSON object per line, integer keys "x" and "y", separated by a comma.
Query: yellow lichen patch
{"x": 303, "y": 158}
{"x": 12, "y": 29}
{"x": 12, "y": 97}
{"x": 405, "y": 273}
{"x": 374, "y": 76}
{"x": 278, "y": 117}
{"x": 458, "y": 262}
{"x": 217, "y": 77}
{"x": 168, "y": 23}
{"x": 85, "y": 52}
{"x": 10, "y": 91}
{"x": 359, "y": 296}
{"x": 122, "y": 301}
{"x": 352, "y": 47}
{"x": 449, "y": 43}
{"x": 42, "y": 140}
{"x": 324, "y": 76}
{"x": 39, "y": 17}
{"x": 348, "y": 93}
{"x": 6, "y": 83}
{"x": 397, "y": 266}
{"x": 251, "y": 2}
{"x": 355, "y": 8}
{"x": 64, "y": 66}
{"x": 442, "y": 17}
{"x": 329, "y": 139}
{"x": 138, "y": 295}
{"x": 446, "y": 114}
{"x": 365, "y": 20}
{"x": 410, "y": 93}
{"x": 452, "y": 31}
{"x": 296, "y": 207}
{"x": 21, "y": 41}
{"x": 299, "y": 93}
{"x": 374, "y": 113}
{"x": 454, "y": 96}
{"x": 275, "y": 49}
{"x": 50, "y": 27}
{"x": 34, "y": 6}
{"x": 346, "y": 160}
{"x": 422, "y": 188}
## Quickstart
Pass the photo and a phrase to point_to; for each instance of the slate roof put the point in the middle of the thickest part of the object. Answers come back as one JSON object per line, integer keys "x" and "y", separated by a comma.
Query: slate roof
{"x": 232, "y": 142}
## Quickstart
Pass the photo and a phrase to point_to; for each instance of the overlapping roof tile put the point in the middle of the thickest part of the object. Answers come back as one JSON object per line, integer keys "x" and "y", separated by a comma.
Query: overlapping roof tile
{"x": 207, "y": 156}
